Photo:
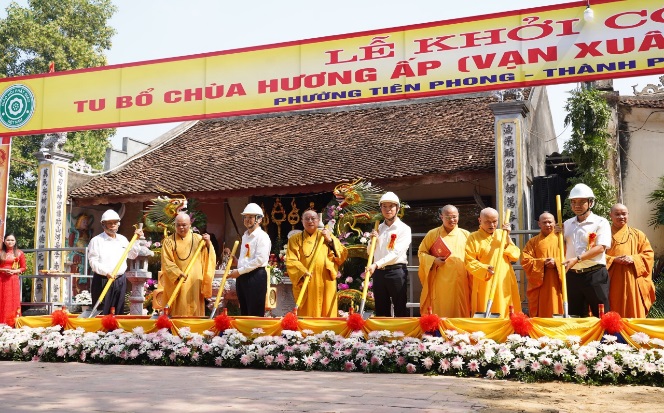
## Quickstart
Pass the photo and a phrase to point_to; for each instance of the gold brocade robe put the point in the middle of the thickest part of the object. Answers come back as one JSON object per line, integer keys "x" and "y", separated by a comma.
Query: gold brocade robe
{"x": 544, "y": 285}
{"x": 320, "y": 299}
{"x": 631, "y": 290}
{"x": 482, "y": 251}
{"x": 190, "y": 301}
{"x": 446, "y": 288}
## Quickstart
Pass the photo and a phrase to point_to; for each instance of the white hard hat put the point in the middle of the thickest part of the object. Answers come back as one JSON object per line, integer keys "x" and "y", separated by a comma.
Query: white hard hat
{"x": 252, "y": 209}
{"x": 389, "y": 197}
{"x": 110, "y": 215}
{"x": 581, "y": 191}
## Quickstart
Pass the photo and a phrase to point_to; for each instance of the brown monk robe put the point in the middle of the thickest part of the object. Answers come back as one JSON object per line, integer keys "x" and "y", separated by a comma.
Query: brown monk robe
{"x": 630, "y": 261}
{"x": 540, "y": 261}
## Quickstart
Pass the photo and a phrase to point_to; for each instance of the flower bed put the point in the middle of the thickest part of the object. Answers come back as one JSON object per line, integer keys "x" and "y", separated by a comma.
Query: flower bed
{"x": 472, "y": 355}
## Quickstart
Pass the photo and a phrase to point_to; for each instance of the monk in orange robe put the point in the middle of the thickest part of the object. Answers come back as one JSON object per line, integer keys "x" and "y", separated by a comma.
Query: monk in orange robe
{"x": 445, "y": 281}
{"x": 324, "y": 253}
{"x": 482, "y": 250}
{"x": 630, "y": 261}
{"x": 540, "y": 261}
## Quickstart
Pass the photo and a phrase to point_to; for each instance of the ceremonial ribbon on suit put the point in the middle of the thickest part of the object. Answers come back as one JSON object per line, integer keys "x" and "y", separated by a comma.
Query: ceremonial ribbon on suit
{"x": 365, "y": 287}
{"x": 223, "y": 279}
{"x": 561, "y": 244}
{"x": 186, "y": 273}
{"x": 307, "y": 276}
{"x": 499, "y": 259}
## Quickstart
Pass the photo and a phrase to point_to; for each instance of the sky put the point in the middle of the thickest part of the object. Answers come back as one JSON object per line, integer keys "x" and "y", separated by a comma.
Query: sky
{"x": 153, "y": 29}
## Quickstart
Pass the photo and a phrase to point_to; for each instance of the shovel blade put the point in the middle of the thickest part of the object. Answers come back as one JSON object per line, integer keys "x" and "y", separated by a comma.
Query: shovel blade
{"x": 89, "y": 314}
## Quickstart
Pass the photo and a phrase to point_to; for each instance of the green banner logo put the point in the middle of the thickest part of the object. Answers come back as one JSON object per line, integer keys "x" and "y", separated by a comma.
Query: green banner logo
{"x": 17, "y": 105}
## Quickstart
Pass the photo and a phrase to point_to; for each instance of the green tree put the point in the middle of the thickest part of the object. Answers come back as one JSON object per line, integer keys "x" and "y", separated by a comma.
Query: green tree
{"x": 588, "y": 113}
{"x": 73, "y": 34}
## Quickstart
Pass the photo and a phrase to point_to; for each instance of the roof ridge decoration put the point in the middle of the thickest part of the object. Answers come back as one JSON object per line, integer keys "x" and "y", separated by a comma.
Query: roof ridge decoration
{"x": 651, "y": 89}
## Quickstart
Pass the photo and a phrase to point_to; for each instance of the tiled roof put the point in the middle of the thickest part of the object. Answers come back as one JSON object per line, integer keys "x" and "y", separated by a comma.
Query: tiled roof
{"x": 440, "y": 136}
{"x": 655, "y": 101}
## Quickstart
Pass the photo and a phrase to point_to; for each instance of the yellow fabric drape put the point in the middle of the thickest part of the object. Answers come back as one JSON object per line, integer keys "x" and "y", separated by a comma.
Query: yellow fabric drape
{"x": 588, "y": 329}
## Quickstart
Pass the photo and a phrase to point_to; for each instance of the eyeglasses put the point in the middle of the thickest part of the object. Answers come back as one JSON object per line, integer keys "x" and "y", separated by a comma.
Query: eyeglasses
{"x": 310, "y": 219}
{"x": 112, "y": 223}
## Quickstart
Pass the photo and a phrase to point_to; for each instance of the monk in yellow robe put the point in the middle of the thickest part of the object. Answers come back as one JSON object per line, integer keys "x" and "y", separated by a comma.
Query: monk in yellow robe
{"x": 176, "y": 253}
{"x": 540, "y": 261}
{"x": 327, "y": 255}
{"x": 445, "y": 281}
{"x": 482, "y": 250}
{"x": 630, "y": 261}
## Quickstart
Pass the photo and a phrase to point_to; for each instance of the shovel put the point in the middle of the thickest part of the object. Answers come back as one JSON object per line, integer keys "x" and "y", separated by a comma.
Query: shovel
{"x": 561, "y": 244}
{"x": 186, "y": 273}
{"x": 223, "y": 280}
{"x": 494, "y": 282}
{"x": 365, "y": 287}
{"x": 94, "y": 312}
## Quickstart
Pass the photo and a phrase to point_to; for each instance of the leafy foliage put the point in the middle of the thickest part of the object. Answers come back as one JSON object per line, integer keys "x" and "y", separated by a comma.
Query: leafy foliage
{"x": 73, "y": 34}
{"x": 588, "y": 113}
{"x": 657, "y": 309}
{"x": 656, "y": 197}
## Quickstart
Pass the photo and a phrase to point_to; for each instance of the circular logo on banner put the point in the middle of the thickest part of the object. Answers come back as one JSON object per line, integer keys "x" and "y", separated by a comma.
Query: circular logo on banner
{"x": 17, "y": 104}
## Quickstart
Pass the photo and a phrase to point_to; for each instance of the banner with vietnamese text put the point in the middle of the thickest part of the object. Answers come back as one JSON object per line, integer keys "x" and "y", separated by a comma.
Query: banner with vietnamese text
{"x": 538, "y": 46}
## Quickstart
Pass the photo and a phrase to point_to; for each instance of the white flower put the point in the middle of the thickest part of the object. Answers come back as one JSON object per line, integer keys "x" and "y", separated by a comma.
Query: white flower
{"x": 490, "y": 374}
{"x": 640, "y": 338}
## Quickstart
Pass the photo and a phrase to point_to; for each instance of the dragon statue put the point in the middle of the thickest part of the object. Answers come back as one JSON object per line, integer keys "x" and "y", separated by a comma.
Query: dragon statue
{"x": 359, "y": 204}
{"x": 160, "y": 214}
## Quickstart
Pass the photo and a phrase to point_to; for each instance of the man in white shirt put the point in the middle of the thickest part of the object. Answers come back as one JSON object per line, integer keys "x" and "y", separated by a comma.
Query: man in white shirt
{"x": 587, "y": 237}
{"x": 254, "y": 255}
{"x": 104, "y": 253}
{"x": 389, "y": 270}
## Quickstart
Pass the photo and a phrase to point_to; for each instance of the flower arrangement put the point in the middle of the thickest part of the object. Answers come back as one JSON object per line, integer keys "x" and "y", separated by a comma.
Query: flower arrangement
{"x": 83, "y": 298}
{"x": 277, "y": 265}
{"x": 352, "y": 298}
{"x": 455, "y": 354}
{"x": 148, "y": 290}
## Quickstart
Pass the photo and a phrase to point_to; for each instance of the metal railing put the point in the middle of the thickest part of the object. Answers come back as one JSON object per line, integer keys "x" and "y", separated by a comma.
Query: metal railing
{"x": 49, "y": 279}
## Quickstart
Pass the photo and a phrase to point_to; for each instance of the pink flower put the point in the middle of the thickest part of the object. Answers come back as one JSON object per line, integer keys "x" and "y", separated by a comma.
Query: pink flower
{"x": 61, "y": 352}
{"x": 281, "y": 359}
{"x": 457, "y": 362}
{"x": 535, "y": 366}
{"x": 325, "y": 361}
{"x": 364, "y": 364}
{"x": 427, "y": 363}
{"x": 195, "y": 356}
{"x": 349, "y": 366}
{"x": 292, "y": 361}
{"x": 505, "y": 369}
{"x": 245, "y": 359}
{"x": 184, "y": 351}
{"x": 268, "y": 359}
{"x": 336, "y": 354}
{"x": 349, "y": 280}
{"x": 133, "y": 354}
{"x": 401, "y": 361}
{"x": 581, "y": 370}
{"x": 410, "y": 368}
{"x": 376, "y": 360}
{"x": 343, "y": 286}
{"x": 558, "y": 368}
{"x": 217, "y": 361}
{"x": 474, "y": 365}
{"x": 616, "y": 369}
{"x": 444, "y": 365}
